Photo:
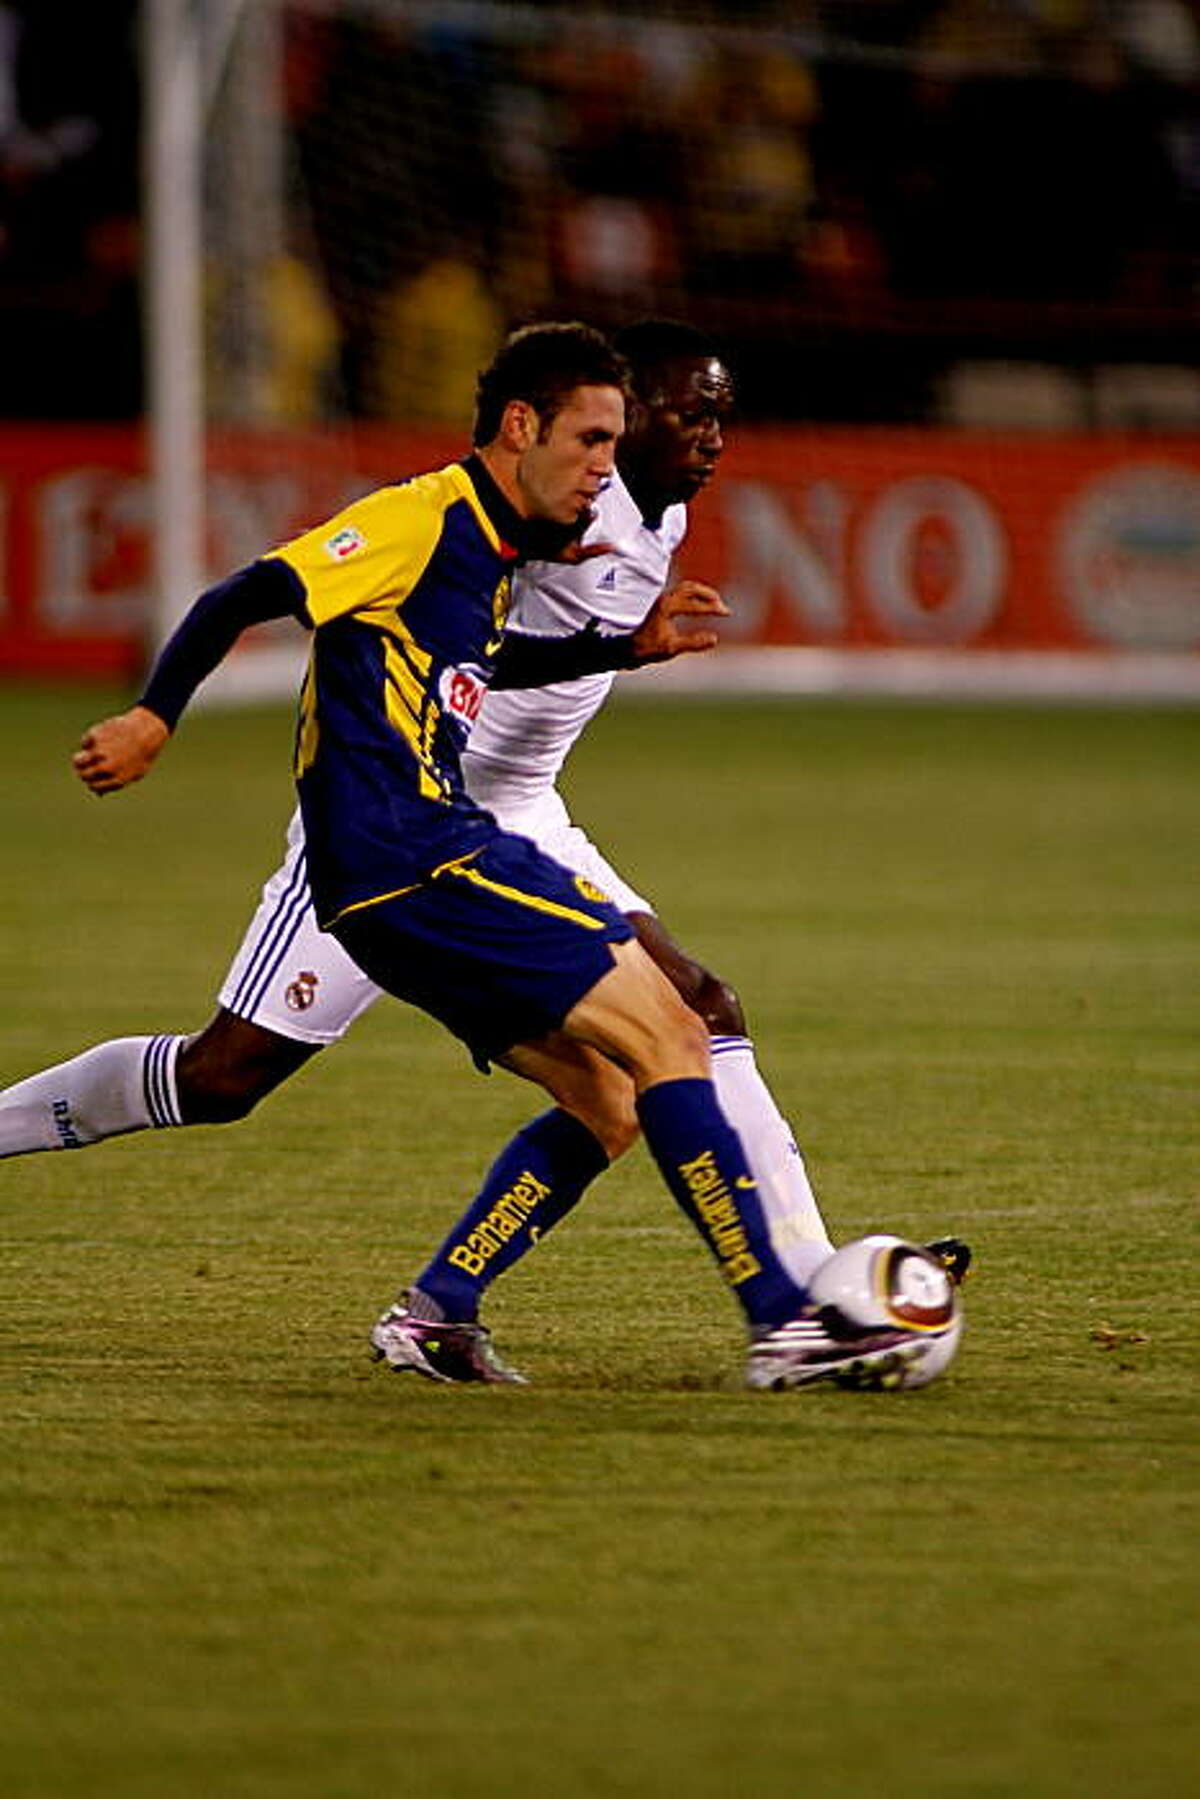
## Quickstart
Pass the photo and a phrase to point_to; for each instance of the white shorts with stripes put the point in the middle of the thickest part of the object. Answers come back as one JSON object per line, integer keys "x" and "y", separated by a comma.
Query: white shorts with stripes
{"x": 293, "y": 979}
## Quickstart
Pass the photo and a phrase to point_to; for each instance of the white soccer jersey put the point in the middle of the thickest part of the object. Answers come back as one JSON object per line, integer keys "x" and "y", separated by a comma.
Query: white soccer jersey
{"x": 298, "y": 981}
{"x": 523, "y": 735}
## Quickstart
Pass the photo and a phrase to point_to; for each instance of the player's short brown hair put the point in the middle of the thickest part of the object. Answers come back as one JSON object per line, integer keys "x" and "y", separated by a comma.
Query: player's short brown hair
{"x": 542, "y": 364}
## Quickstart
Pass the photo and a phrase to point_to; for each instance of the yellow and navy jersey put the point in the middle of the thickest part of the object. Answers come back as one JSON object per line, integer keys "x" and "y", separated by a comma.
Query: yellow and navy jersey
{"x": 407, "y": 591}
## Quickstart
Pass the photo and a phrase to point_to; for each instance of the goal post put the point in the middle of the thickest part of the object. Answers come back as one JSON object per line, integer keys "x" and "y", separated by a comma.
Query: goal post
{"x": 214, "y": 194}
{"x": 173, "y": 88}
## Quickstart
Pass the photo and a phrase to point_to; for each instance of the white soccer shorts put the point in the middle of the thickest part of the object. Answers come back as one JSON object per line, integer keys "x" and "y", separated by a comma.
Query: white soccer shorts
{"x": 293, "y": 979}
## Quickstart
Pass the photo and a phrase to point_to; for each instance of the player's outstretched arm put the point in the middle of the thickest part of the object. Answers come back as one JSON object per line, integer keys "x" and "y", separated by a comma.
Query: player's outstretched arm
{"x": 659, "y": 637}
{"x": 120, "y": 750}
{"x": 533, "y": 661}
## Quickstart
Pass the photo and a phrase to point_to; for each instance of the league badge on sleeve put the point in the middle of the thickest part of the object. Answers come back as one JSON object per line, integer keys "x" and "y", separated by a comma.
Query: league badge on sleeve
{"x": 344, "y": 543}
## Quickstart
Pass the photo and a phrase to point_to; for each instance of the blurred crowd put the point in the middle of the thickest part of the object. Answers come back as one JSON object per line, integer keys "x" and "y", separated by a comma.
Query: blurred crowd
{"x": 69, "y": 237}
{"x": 886, "y": 182}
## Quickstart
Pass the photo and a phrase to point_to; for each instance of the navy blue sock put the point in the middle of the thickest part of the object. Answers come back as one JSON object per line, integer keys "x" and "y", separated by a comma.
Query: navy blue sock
{"x": 700, "y": 1157}
{"x": 535, "y": 1181}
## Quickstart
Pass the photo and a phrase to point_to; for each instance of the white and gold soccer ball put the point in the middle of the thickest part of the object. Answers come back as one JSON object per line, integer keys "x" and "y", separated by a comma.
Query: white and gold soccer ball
{"x": 880, "y": 1283}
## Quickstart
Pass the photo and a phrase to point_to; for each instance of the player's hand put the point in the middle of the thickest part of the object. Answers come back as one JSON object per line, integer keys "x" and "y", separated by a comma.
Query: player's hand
{"x": 119, "y": 750}
{"x": 658, "y": 638}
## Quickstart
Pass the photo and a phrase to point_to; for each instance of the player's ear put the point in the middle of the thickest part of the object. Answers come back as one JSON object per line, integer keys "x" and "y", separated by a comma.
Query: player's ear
{"x": 518, "y": 426}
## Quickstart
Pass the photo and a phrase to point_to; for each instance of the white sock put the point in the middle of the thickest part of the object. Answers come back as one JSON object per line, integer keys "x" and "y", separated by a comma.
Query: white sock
{"x": 797, "y": 1229}
{"x": 125, "y": 1085}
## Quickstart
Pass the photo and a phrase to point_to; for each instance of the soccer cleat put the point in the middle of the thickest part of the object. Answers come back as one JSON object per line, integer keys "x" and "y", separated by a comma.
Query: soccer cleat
{"x": 803, "y": 1351}
{"x": 954, "y": 1255}
{"x": 442, "y": 1352}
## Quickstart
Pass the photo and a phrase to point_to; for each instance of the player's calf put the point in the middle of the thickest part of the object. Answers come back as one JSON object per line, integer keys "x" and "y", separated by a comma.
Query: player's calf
{"x": 230, "y": 1066}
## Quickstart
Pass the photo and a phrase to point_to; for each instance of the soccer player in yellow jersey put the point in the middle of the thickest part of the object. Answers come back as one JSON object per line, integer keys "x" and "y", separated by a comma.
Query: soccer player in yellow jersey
{"x": 407, "y": 595}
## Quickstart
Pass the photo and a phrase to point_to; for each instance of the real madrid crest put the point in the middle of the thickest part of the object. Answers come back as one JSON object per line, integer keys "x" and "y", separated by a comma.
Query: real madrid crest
{"x": 302, "y": 991}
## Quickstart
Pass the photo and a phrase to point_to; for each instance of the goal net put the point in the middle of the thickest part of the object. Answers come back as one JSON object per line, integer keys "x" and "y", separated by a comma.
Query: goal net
{"x": 880, "y": 210}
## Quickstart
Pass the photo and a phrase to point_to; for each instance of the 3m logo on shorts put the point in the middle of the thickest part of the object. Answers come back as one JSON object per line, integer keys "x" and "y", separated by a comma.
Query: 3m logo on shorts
{"x": 461, "y": 691}
{"x": 302, "y": 991}
{"x": 344, "y": 543}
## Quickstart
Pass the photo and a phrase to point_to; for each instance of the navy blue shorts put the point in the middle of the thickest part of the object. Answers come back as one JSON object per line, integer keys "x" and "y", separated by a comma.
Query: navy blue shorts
{"x": 499, "y": 948}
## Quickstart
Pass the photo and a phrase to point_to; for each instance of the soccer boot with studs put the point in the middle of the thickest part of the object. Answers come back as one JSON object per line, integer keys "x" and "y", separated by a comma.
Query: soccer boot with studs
{"x": 446, "y": 1352}
{"x": 803, "y": 1352}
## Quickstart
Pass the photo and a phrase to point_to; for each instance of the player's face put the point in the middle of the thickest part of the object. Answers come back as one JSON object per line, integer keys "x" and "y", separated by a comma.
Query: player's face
{"x": 562, "y": 472}
{"x": 675, "y": 442}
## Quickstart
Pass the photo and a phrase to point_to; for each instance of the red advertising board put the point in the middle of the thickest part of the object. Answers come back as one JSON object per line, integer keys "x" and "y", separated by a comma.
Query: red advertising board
{"x": 943, "y": 540}
{"x": 834, "y": 539}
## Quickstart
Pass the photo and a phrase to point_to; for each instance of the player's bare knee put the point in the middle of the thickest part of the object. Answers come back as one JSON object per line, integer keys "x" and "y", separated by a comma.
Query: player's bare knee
{"x": 698, "y": 1035}
{"x": 615, "y": 1125}
{"x": 680, "y": 1047}
{"x": 228, "y": 1067}
{"x": 719, "y": 1006}
{"x": 221, "y": 1089}
{"x": 615, "y": 1131}
{"x": 605, "y": 1105}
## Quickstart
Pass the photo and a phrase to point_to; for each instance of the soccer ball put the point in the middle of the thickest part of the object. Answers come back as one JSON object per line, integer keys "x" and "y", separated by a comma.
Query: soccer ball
{"x": 883, "y": 1283}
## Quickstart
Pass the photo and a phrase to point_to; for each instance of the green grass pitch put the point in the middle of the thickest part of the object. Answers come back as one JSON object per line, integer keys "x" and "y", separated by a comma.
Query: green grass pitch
{"x": 238, "y": 1563}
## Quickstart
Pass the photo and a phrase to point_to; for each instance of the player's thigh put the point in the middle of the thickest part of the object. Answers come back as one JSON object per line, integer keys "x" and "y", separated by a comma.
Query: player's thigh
{"x": 288, "y": 976}
{"x": 635, "y": 1016}
{"x": 683, "y": 971}
{"x": 706, "y": 993}
{"x": 548, "y": 823}
{"x": 499, "y": 947}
